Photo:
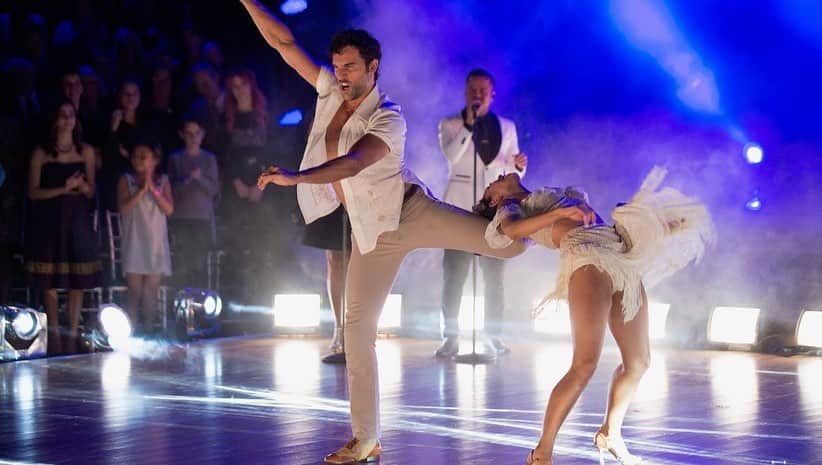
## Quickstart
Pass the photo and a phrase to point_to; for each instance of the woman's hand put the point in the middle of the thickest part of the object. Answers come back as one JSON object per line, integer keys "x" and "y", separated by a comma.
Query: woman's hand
{"x": 84, "y": 187}
{"x": 116, "y": 118}
{"x": 580, "y": 213}
{"x": 74, "y": 181}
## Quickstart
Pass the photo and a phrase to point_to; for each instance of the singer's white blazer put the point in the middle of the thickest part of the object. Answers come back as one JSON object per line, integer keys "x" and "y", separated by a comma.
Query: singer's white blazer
{"x": 458, "y": 149}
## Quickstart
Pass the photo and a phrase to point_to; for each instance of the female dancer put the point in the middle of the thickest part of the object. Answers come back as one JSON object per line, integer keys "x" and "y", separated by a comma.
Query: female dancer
{"x": 602, "y": 271}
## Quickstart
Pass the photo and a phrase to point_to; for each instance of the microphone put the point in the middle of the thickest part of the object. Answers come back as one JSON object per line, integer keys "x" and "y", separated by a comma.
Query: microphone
{"x": 475, "y": 108}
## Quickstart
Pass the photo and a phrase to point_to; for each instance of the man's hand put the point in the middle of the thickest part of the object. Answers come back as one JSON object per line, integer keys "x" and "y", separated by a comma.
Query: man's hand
{"x": 278, "y": 176}
{"x": 520, "y": 162}
{"x": 196, "y": 174}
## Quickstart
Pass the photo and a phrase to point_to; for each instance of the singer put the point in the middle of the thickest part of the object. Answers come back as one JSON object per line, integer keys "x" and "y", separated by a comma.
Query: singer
{"x": 355, "y": 158}
{"x": 498, "y": 154}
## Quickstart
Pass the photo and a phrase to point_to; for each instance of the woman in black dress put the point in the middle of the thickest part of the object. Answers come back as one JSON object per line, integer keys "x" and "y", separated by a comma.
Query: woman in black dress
{"x": 62, "y": 243}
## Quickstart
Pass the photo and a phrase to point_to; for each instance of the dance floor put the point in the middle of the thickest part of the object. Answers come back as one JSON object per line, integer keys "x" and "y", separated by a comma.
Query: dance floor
{"x": 271, "y": 401}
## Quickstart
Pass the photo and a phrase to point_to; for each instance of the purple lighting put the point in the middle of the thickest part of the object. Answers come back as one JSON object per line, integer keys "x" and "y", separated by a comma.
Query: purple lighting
{"x": 650, "y": 27}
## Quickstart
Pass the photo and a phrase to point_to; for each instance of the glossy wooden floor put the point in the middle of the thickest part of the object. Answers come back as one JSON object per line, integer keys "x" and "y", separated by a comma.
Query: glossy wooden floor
{"x": 271, "y": 401}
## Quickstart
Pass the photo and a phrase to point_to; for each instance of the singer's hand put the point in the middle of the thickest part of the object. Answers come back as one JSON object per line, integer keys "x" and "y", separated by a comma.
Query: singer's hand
{"x": 520, "y": 161}
{"x": 471, "y": 107}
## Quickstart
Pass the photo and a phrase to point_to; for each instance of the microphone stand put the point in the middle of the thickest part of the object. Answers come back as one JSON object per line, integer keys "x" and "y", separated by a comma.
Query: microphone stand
{"x": 473, "y": 357}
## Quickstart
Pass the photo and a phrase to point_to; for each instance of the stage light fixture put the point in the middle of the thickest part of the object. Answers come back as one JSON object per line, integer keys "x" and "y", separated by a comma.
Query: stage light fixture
{"x": 297, "y": 311}
{"x": 753, "y": 153}
{"x": 733, "y": 325}
{"x": 197, "y": 312}
{"x": 113, "y": 330}
{"x": 754, "y": 204}
{"x": 23, "y": 333}
{"x": 809, "y": 329}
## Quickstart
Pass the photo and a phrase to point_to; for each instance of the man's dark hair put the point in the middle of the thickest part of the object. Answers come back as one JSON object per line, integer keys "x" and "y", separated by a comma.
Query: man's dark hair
{"x": 362, "y": 40}
{"x": 479, "y": 72}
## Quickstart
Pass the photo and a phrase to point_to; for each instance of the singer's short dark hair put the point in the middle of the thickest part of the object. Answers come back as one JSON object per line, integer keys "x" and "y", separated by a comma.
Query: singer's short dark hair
{"x": 480, "y": 72}
{"x": 362, "y": 40}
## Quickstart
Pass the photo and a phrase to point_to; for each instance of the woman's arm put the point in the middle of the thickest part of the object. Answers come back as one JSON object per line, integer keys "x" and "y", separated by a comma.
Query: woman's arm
{"x": 87, "y": 186}
{"x": 518, "y": 227}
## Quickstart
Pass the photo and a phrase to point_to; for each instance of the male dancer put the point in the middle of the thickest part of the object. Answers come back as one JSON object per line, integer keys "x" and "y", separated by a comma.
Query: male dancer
{"x": 497, "y": 154}
{"x": 354, "y": 156}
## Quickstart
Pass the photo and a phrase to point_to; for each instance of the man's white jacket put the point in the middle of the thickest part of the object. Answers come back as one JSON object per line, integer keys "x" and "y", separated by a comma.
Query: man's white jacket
{"x": 458, "y": 148}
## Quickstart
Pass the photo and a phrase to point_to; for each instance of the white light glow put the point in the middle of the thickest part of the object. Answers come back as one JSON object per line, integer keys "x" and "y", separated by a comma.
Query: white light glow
{"x": 734, "y": 389}
{"x": 465, "y": 319}
{"x": 213, "y": 305}
{"x": 658, "y": 319}
{"x": 115, "y": 324}
{"x": 25, "y": 324}
{"x": 809, "y": 329}
{"x": 754, "y": 153}
{"x": 555, "y": 318}
{"x": 391, "y": 317}
{"x": 297, "y": 310}
{"x": 297, "y": 367}
{"x": 733, "y": 325}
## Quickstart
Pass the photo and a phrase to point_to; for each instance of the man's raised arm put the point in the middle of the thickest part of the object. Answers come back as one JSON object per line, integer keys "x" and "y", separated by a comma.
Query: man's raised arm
{"x": 280, "y": 38}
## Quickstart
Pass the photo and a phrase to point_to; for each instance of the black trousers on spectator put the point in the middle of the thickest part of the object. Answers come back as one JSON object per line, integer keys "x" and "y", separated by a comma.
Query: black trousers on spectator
{"x": 192, "y": 240}
{"x": 456, "y": 265}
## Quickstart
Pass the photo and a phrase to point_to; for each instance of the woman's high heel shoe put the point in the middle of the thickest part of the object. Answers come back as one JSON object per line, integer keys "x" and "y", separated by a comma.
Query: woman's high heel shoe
{"x": 617, "y": 448}
{"x": 534, "y": 460}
